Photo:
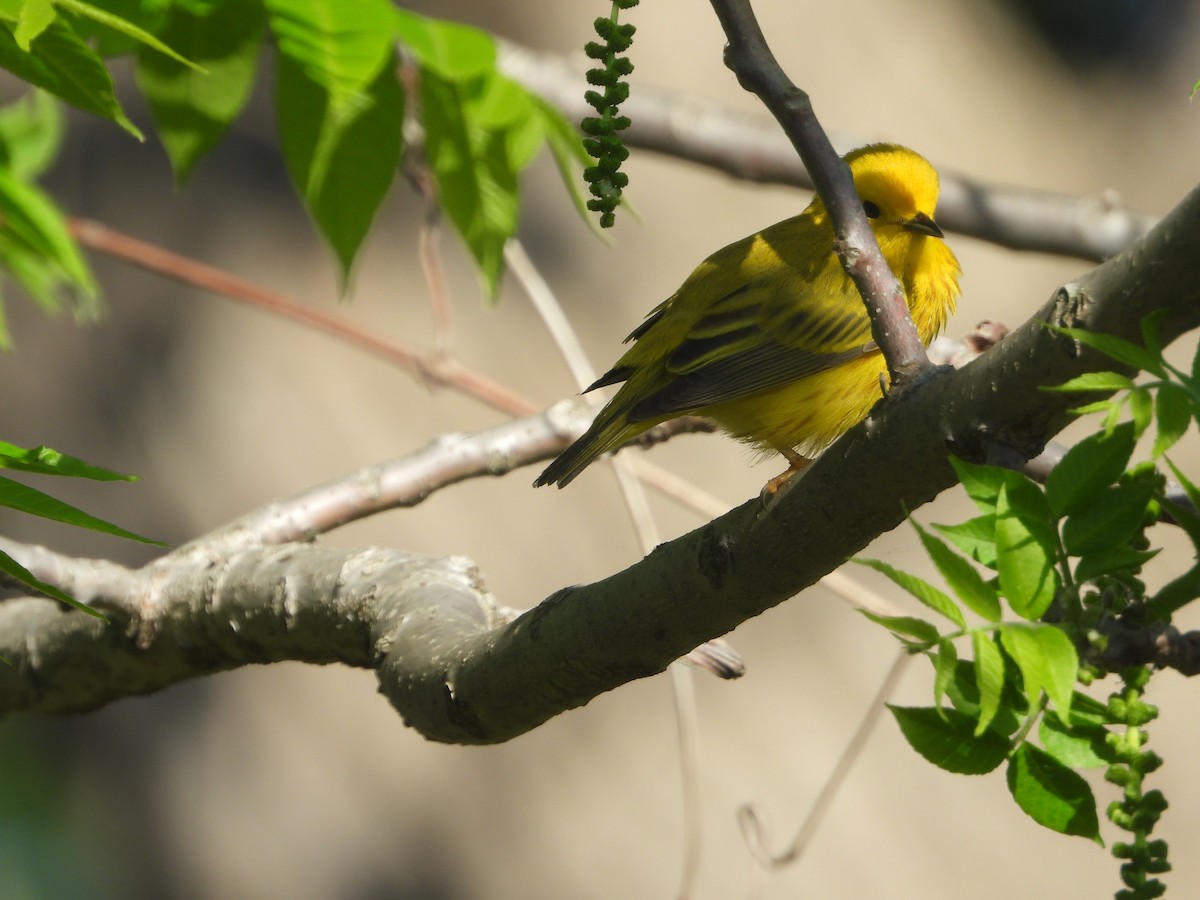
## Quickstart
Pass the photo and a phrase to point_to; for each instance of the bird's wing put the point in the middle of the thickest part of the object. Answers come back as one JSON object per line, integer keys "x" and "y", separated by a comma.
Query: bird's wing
{"x": 753, "y": 340}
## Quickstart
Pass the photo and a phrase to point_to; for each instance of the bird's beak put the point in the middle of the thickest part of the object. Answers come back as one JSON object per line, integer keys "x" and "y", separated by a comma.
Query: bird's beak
{"x": 923, "y": 224}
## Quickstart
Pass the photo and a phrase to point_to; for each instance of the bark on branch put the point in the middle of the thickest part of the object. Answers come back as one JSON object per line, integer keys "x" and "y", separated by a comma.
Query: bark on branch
{"x": 445, "y": 656}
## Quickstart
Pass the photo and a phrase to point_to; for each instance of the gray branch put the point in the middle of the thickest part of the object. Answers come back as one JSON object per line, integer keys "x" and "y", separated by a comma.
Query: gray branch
{"x": 751, "y": 147}
{"x": 445, "y": 654}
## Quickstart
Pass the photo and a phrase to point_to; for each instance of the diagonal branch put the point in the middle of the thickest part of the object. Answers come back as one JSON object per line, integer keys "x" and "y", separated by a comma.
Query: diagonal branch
{"x": 757, "y": 70}
{"x": 437, "y": 640}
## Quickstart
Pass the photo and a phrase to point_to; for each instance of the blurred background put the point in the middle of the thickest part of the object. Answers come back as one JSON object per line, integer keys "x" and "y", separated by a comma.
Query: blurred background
{"x": 302, "y": 782}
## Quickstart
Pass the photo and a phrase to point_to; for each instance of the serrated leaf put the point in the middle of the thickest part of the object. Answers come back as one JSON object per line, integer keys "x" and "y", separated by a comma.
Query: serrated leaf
{"x": 477, "y": 182}
{"x": 1051, "y": 794}
{"x": 342, "y": 157}
{"x": 44, "y": 461}
{"x": 967, "y": 584}
{"x": 1025, "y": 560}
{"x": 33, "y": 502}
{"x": 14, "y": 569}
{"x": 1094, "y": 463}
{"x": 192, "y": 110}
{"x": 1047, "y": 660}
{"x": 127, "y": 28}
{"x": 453, "y": 51}
{"x": 976, "y": 537}
{"x": 989, "y": 677}
{"x": 945, "y": 661}
{"x": 1090, "y": 382}
{"x": 1173, "y": 413}
{"x": 1116, "y": 348}
{"x": 905, "y": 626}
{"x": 1077, "y": 747}
{"x": 341, "y": 45}
{"x": 946, "y": 738}
{"x": 61, "y": 63}
{"x": 1118, "y": 559}
{"x": 935, "y": 599}
{"x": 1108, "y": 520}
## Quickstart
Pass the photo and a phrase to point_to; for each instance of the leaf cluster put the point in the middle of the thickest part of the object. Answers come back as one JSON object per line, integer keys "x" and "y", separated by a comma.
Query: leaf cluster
{"x": 24, "y": 499}
{"x": 1065, "y": 560}
{"x": 342, "y": 93}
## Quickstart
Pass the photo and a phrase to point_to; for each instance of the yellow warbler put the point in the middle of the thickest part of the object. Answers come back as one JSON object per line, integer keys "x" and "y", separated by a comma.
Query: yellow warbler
{"x": 769, "y": 337}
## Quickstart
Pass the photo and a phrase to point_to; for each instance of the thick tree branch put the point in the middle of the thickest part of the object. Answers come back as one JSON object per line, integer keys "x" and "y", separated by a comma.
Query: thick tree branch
{"x": 434, "y": 634}
{"x": 751, "y": 148}
{"x": 757, "y": 70}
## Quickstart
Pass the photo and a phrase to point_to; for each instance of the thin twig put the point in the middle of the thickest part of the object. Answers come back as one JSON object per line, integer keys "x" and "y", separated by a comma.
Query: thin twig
{"x": 432, "y": 369}
{"x": 753, "y": 825}
{"x": 566, "y": 339}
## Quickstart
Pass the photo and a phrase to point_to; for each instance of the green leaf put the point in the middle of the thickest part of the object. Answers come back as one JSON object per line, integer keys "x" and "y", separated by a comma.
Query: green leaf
{"x": 122, "y": 26}
{"x": 935, "y": 599}
{"x": 1118, "y": 559}
{"x": 192, "y": 111}
{"x": 989, "y": 677}
{"x": 1052, "y": 794}
{"x": 944, "y": 667}
{"x": 37, "y": 250}
{"x": 13, "y": 568}
{"x": 452, "y": 51}
{"x": 68, "y": 68}
{"x": 29, "y": 500}
{"x": 1141, "y": 409}
{"x": 34, "y": 18}
{"x": 982, "y": 483}
{"x": 1025, "y": 559}
{"x": 1077, "y": 747}
{"x": 45, "y": 461}
{"x": 946, "y": 738}
{"x": 962, "y": 577}
{"x": 1094, "y": 463}
{"x": 975, "y": 537}
{"x": 31, "y": 130}
{"x": 340, "y": 44}
{"x": 1092, "y": 381}
{"x": 905, "y": 627}
{"x": 1173, "y": 413}
{"x": 1151, "y": 327}
{"x": 342, "y": 157}
{"x": 1047, "y": 660}
{"x": 477, "y": 181}
{"x": 964, "y": 694}
{"x": 1108, "y": 520}
{"x": 1116, "y": 348}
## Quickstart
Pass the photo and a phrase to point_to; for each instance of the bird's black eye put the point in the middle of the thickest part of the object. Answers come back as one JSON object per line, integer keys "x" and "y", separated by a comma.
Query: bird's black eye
{"x": 871, "y": 209}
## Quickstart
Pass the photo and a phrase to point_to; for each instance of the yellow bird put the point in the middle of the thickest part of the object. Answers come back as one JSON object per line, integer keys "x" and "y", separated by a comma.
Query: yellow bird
{"x": 769, "y": 337}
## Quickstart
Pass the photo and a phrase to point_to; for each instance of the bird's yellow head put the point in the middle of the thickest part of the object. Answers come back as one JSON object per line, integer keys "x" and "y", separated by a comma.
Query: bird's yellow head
{"x": 899, "y": 189}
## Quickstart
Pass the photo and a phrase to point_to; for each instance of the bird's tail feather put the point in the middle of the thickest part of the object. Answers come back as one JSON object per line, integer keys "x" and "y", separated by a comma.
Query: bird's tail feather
{"x": 599, "y": 439}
